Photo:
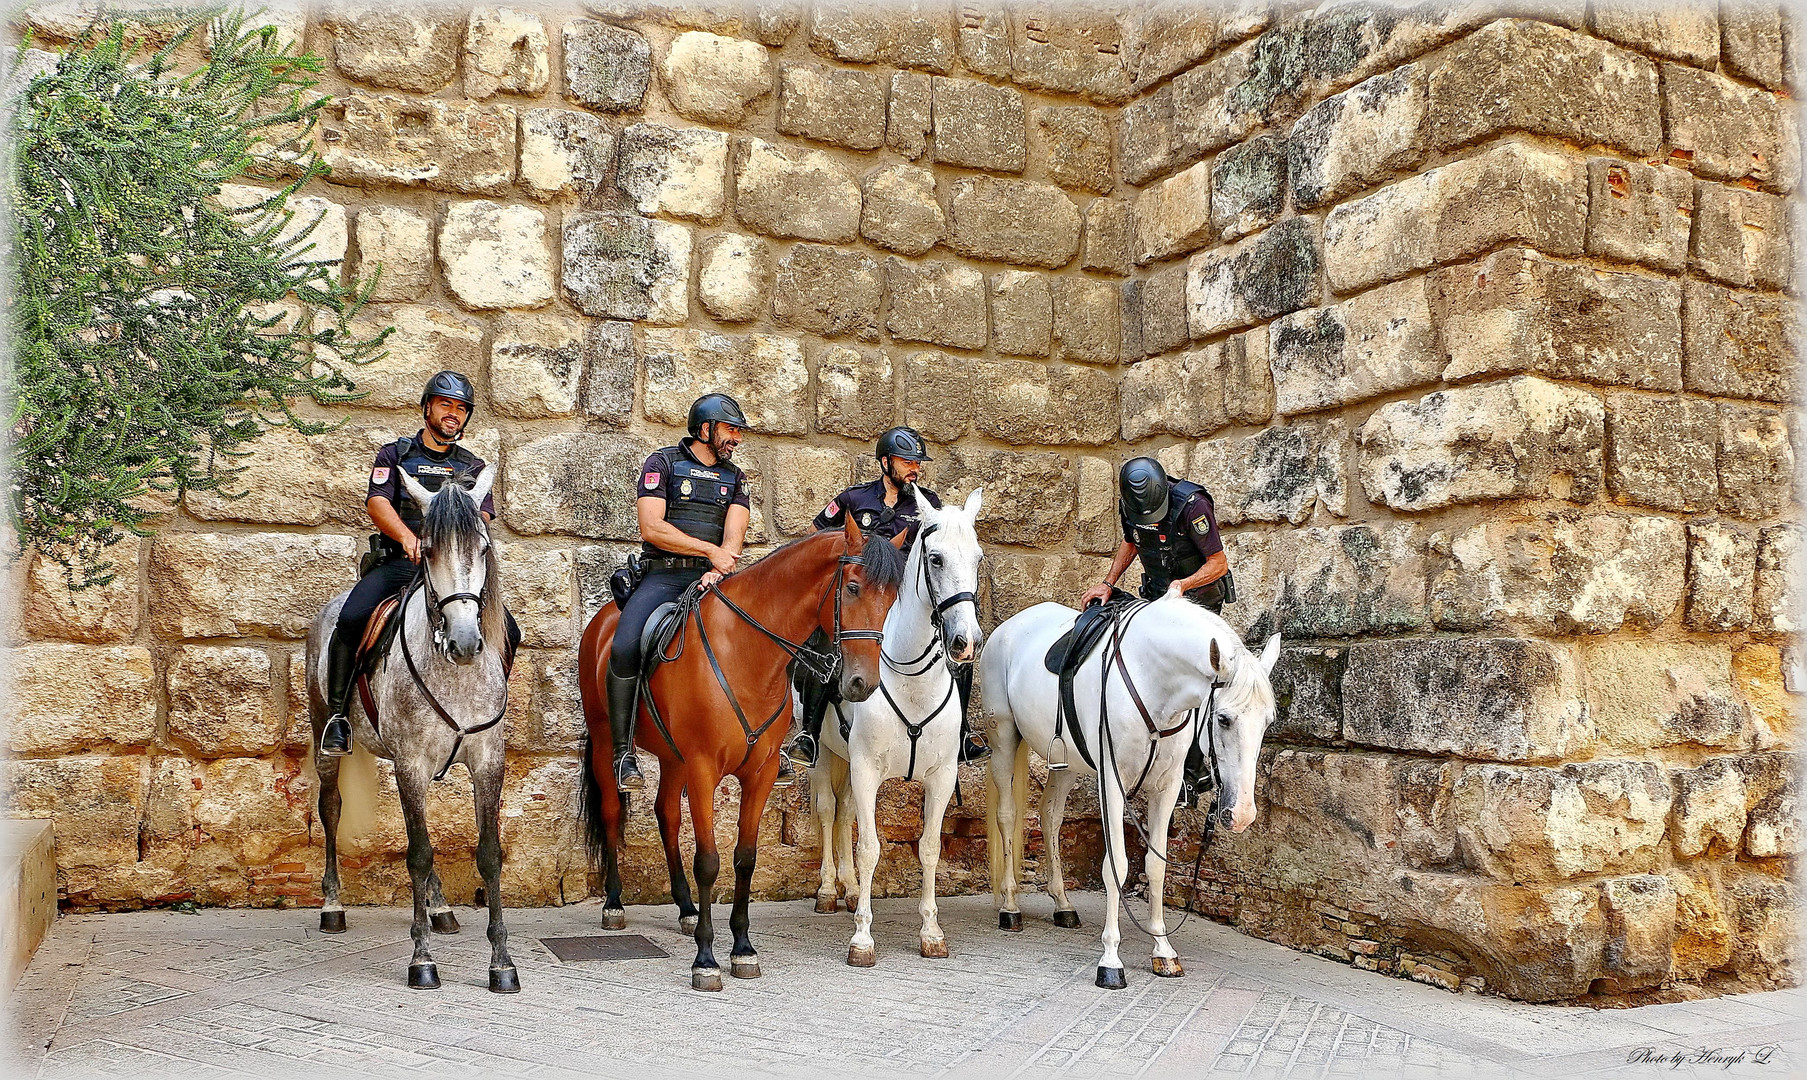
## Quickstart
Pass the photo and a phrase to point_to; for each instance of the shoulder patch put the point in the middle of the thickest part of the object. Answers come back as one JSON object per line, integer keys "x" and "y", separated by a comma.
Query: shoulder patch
{"x": 833, "y": 508}
{"x": 380, "y": 474}
{"x": 1202, "y": 525}
{"x": 650, "y": 480}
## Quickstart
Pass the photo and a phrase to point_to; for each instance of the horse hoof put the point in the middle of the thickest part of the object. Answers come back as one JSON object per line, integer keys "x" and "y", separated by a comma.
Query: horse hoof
{"x": 862, "y": 957}
{"x": 1011, "y": 921}
{"x": 614, "y": 918}
{"x": 1168, "y": 967}
{"x": 1067, "y": 920}
{"x": 687, "y": 924}
{"x": 744, "y": 967}
{"x": 423, "y": 976}
{"x": 935, "y": 950}
{"x": 332, "y": 922}
{"x": 443, "y": 922}
{"x": 504, "y": 981}
{"x": 705, "y": 979}
{"x": 826, "y": 905}
{"x": 1111, "y": 978}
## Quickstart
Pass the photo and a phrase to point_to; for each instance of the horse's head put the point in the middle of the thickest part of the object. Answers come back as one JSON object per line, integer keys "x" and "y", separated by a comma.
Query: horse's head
{"x": 948, "y": 547}
{"x": 872, "y": 572}
{"x": 1242, "y": 709}
{"x": 460, "y": 565}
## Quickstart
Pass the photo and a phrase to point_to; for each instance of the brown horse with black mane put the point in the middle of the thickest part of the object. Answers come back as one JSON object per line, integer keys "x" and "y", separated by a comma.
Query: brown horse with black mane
{"x": 715, "y": 708}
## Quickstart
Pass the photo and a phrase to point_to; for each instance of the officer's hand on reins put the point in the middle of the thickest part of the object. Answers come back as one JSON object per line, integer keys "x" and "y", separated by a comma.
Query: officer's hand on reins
{"x": 412, "y": 546}
{"x": 709, "y": 578}
{"x": 721, "y": 562}
{"x": 1095, "y": 594}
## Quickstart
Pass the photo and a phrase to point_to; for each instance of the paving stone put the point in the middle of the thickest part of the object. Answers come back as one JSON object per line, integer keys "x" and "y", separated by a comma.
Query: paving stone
{"x": 1741, "y": 237}
{"x": 606, "y": 67}
{"x": 564, "y": 152}
{"x": 399, "y": 242}
{"x": 466, "y": 148}
{"x": 1728, "y": 131}
{"x": 979, "y": 125}
{"x": 1738, "y": 344}
{"x": 802, "y": 194}
{"x": 1269, "y": 274}
{"x": 843, "y": 107}
{"x": 1075, "y": 141}
{"x": 620, "y": 266}
{"x": 493, "y": 255}
{"x": 1639, "y": 213}
{"x": 828, "y": 292}
{"x": 404, "y": 46}
{"x": 734, "y": 274}
{"x": 505, "y": 51}
{"x": 1109, "y": 231}
{"x": 1173, "y": 217}
{"x": 1356, "y": 138}
{"x": 1014, "y": 221}
{"x": 900, "y": 211}
{"x": 937, "y": 301}
{"x": 678, "y": 172}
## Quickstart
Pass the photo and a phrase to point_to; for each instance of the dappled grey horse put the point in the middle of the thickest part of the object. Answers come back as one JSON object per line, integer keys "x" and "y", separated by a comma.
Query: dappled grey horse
{"x": 439, "y": 694}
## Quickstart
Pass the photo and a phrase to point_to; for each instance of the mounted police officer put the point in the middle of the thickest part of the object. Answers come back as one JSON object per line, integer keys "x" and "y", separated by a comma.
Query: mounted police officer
{"x": 885, "y": 507}
{"x": 1171, "y": 525}
{"x": 432, "y": 456}
{"x": 693, "y": 509}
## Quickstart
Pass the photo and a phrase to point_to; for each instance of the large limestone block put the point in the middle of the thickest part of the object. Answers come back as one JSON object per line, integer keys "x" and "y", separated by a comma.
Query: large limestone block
{"x": 678, "y": 172}
{"x": 1752, "y": 39}
{"x": 911, "y": 34}
{"x": 910, "y": 114}
{"x": 1248, "y": 187}
{"x": 1722, "y": 568}
{"x": 621, "y": 266}
{"x": 1640, "y": 930}
{"x": 1271, "y": 273}
{"x": 855, "y": 395}
{"x": 200, "y": 587}
{"x": 395, "y": 246}
{"x": 1639, "y": 213}
{"x": 1662, "y": 451}
{"x": 1772, "y": 797}
{"x": 1338, "y": 581}
{"x": 1109, "y": 226}
{"x": 1521, "y": 438}
{"x": 1778, "y": 602}
{"x": 1016, "y": 221}
{"x": 714, "y": 79}
{"x": 1539, "y": 824}
{"x": 1372, "y": 810}
{"x": 832, "y": 105}
{"x": 505, "y": 51}
{"x": 406, "y": 46}
{"x": 1173, "y": 217}
{"x": 564, "y": 152}
{"x": 1145, "y": 140}
{"x": 1087, "y": 319}
{"x": 1737, "y": 343}
{"x": 1035, "y": 403}
{"x": 1508, "y": 192}
{"x": 220, "y": 700}
{"x": 1070, "y": 49}
{"x": 937, "y": 301}
{"x": 1166, "y": 37}
{"x": 804, "y": 479}
{"x": 734, "y": 275}
{"x": 1178, "y": 394}
{"x": 1687, "y": 31}
{"x": 1518, "y": 311}
{"x": 338, "y": 463}
{"x": 1756, "y": 461}
{"x": 938, "y": 395}
{"x": 1765, "y": 912}
{"x": 1020, "y": 580}
{"x": 900, "y": 210}
{"x": 1029, "y": 496}
{"x": 1709, "y": 806}
{"x": 1281, "y": 473}
{"x": 804, "y": 194}
{"x": 536, "y": 365}
{"x": 1518, "y": 75}
{"x": 1099, "y": 530}
{"x": 765, "y": 374}
{"x": 1371, "y": 344}
{"x": 1075, "y": 140}
{"x": 242, "y": 806}
{"x": 1531, "y": 942}
{"x": 978, "y": 125}
{"x": 317, "y": 225}
{"x": 1648, "y": 694}
{"x": 1730, "y": 131}
{"x": 1308, "y": 695}
{"x": 1354, "y": 139}
{"x": 495, "y": 255}
{"x": 1022, "y": 313}
{"x": 1489, "y": 699}
{"x": 612, "y": 367}
{"x": 70, "y": 698}
{"x": 606, "y": 67}
{"x": 97, "y": 805}
{"x": 462, "y": 147}
{"x": 575, "y": 483}
{"x": 93, "y": 613}
{"x": 538, "y": 585}
{"x": 1742, "y": 237}
{"x": 822, "y": 290}
{"x": 1704, "y": 935}
{"x": 425, "y": 340}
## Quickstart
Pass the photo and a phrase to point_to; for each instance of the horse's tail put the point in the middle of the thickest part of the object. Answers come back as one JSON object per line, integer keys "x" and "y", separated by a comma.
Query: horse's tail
{"x": 1006, "y": 860}
{"x": 590, "y": 810}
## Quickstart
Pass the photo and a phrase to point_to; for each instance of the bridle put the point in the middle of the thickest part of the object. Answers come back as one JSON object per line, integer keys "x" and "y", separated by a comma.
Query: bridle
{"x": 435, "y": 605}
{"x": 937, "y": 646}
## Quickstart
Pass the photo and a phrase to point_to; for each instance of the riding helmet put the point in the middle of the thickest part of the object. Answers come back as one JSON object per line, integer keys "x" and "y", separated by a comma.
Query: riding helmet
{"x": 903, "y": 442}
{"x": 711, "y": 408}
{"x": 1142, "y": 486}
{"x": 450, "y": 384}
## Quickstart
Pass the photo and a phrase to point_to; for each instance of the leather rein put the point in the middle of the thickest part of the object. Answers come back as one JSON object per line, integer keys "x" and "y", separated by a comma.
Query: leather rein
{"x": 436, "y": 605}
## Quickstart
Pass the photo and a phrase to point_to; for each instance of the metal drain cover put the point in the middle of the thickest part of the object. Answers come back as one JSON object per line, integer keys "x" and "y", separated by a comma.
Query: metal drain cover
{"x": 600, "y": 947}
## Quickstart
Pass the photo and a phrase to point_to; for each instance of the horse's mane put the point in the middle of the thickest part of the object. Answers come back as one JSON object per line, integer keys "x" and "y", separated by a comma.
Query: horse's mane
{"x": 883, "y": 568}
{"x": 452, "y": 520}
{"x": 1246, "y": 691}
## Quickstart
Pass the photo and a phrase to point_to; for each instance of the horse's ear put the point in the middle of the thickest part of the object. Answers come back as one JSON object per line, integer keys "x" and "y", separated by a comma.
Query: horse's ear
{"x": 855, "y": 538}
{"x": 898, "y": 540}
{"x": 972, "y": 503}
{"x": 416, "y": 491}
{"x": 1270, "y": 653}
{"x": 485, "y": 480}
{"x": 1216, "y": 657}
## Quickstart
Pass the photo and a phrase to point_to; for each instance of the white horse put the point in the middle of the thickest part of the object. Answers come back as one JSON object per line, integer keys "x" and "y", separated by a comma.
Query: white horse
{"x": 910, "y": 728}
{"x": 1176, "y": 657}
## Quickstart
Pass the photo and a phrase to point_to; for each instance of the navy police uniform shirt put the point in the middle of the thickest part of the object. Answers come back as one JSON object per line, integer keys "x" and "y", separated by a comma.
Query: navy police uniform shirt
{"x": 866, "y": 503}
{"x": 430, "y": 468}
{"x": 1197, "y": 520}
{"x": 655, "y": 477}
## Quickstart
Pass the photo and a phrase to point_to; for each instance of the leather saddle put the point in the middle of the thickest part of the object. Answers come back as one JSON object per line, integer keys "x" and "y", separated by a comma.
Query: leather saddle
{"x": 655, "y": 637}
{"x": 379, "y": 635}
{"x": 1071, "y": 650}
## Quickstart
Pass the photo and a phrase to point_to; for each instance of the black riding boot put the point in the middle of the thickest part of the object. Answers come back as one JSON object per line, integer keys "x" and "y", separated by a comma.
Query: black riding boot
{"x": 341, "y": 661}
{"x": 1193, "y": 788}
{"x": 622, "y": 706}
{"x": 807, "y": 747}
{"x": 973, "y": 747}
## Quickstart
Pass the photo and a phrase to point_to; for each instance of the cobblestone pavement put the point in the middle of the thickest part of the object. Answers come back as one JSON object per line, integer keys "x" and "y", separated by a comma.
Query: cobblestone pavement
{"x": 261, "y": 993}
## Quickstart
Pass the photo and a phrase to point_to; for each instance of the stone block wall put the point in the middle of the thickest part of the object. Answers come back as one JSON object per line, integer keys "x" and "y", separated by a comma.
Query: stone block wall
{"x": 1478, "y": 321}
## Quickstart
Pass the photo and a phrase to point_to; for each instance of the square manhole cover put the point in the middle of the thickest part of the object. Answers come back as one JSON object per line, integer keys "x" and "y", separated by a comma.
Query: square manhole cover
{"x": 599, "y": 947}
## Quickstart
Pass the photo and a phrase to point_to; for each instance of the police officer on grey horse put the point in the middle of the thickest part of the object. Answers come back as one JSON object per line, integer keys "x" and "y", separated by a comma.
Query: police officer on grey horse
{"x": 1171, "y": 525}
{"x": 886, "y": 507}
{"x": 693, "y": 510}
{"x": 432, "y": 456}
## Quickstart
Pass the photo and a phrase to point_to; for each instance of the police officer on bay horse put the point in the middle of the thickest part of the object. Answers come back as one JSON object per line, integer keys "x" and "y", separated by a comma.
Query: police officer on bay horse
{"x": 693, "y": 511}
{"x": 432, "y": 456}
{"x": 885, "y": 507}
{"x": 1171, "y": 525}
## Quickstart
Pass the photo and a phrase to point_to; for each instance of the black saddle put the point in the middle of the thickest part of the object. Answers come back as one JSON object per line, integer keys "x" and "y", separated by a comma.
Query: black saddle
{"x": 1071, "y": 650}
{"x": 661, "y": 626}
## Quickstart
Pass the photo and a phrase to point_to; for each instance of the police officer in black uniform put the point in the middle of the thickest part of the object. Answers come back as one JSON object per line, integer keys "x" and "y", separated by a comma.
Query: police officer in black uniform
{"x": 885, "y": 507}
{"x": 432, "y": 457}
{"x": 1172, "y": 526}
{"x": 693, "y": 509}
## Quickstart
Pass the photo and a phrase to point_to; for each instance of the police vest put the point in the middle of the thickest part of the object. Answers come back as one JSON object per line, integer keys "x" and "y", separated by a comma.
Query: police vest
{"x": 698, "y": 496}
{"x": 430, "y": 470}
{"x": 1167, "y": 552}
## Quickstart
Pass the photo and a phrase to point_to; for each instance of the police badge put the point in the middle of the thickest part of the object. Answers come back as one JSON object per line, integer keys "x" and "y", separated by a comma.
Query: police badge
{"x": 866, "y": 520}
{"x": 684, "y": 488}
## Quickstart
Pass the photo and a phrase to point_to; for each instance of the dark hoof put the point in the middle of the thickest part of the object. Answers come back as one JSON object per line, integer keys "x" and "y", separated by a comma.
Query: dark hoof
{"x": 1011, "y": 921}
{"x": 423, "y": 976}
{"x": 826, "y": 905}
{"x": 332, "y": 922}
{"x": 480, "y": 899}
{"x": 935, "y": 950}
{"x": 1168, "y": 967}
{"x": 744, "y": 967}
{"x": 687, "y": 924}
{"x": 705, "y": 978}
{"x": 858, "y": 957}
{"x": 1111, "y": 978}
{"x": 504, "y": 981}
{"x": 614, "y": 918}
{"x": 443, "y": 922}
{"x": 1067, "y": 920}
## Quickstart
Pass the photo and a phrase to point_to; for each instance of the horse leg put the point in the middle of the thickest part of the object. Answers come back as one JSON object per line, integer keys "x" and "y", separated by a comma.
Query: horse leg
{"x": 1006, "y": 803}
{"x": 861, "y": 951}
{"x": 1054, "y": 809}
{"x": 332, "y": 913}
{"x": 487, "y": 786}
{"x": 1154, "y": 864}
{"x": 705, "y": 973}
{"x": 439, "y": 913}
{"x": 743, "y": 960}
{"x": 614, "y": 823}
{"x": 412, "y": 783}
{"x": 843, "y": 830}
{"x": 668, "y": 808}
{"x": 823, "y": 802}
{"x": 935, "y": 795}
{"x": 1116, "y": 865}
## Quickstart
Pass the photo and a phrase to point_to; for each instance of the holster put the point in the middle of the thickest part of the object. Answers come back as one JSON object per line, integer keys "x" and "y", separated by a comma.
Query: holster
{"x": 374, "y": 557}
{"x": 624, "y": 581}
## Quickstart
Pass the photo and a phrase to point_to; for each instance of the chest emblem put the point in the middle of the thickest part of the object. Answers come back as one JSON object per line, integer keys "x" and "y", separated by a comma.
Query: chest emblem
{"x": 684, "y": 488}
{"x": 724, "y": 488}
{"x": 866, "y": 520}
{"x": 433, "y": 470}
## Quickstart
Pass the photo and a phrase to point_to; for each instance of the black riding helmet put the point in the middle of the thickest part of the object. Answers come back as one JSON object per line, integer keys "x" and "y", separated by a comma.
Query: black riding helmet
{"x": 1142, "y": 487}
{"x": 450, "y": 384}
{"x": 903, "y": 442}
{"x": 713, "y": 408}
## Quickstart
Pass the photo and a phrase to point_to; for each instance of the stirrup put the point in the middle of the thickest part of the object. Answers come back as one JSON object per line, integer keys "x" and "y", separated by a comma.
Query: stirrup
{"x": 787, "y": 772}
{"x": 627, "y": 772}
{"x": 804, "y": 748}
{"x": 1059, "y": 746}
{"x": 340, "y": 747}
{"x": 971, "y": 752}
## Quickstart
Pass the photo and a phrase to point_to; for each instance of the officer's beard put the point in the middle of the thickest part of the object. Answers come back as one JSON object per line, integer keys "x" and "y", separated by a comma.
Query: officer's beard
{"x": 894, "y": 474}
{"x": 721, "y": 447}
{"x": 449, "y": 429}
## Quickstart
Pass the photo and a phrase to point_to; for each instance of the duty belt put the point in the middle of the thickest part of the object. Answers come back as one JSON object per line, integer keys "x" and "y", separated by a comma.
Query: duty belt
{"x": 659, "y": 564}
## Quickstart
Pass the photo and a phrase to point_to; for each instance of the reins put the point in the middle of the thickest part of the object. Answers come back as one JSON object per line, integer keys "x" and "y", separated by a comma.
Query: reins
{"x": 423, "y": 583}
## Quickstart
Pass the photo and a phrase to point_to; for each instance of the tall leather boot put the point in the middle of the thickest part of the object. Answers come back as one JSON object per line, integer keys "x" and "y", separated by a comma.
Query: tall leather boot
{"x": 807, "y": 747}
{"x": 1193, "y": 787}
{"x": 973, "y": 746}
{"x": 623, "y": 704}
{"x": 341, "y": 661}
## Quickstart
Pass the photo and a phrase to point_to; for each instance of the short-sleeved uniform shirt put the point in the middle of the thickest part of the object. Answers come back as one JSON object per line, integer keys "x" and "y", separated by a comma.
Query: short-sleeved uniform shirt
{"x": 866, "y": 502}
{"x": 697, "y": 496}
{"x": 428, "y": 467}
{"x": 1176, "y": 546}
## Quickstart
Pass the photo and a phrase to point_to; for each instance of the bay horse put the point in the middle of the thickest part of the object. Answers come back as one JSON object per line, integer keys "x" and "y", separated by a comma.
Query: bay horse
{"x": 911, "y": 727}
{"x": 713, "y": 709}
{"x": 440, "y": 701}
{"x": 1165, "y": 668}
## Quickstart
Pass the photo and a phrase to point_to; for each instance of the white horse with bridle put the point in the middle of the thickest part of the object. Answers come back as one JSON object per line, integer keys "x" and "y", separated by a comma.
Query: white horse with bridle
{"x": 1166, "y": 674}
{"x": 909, "y": 729}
